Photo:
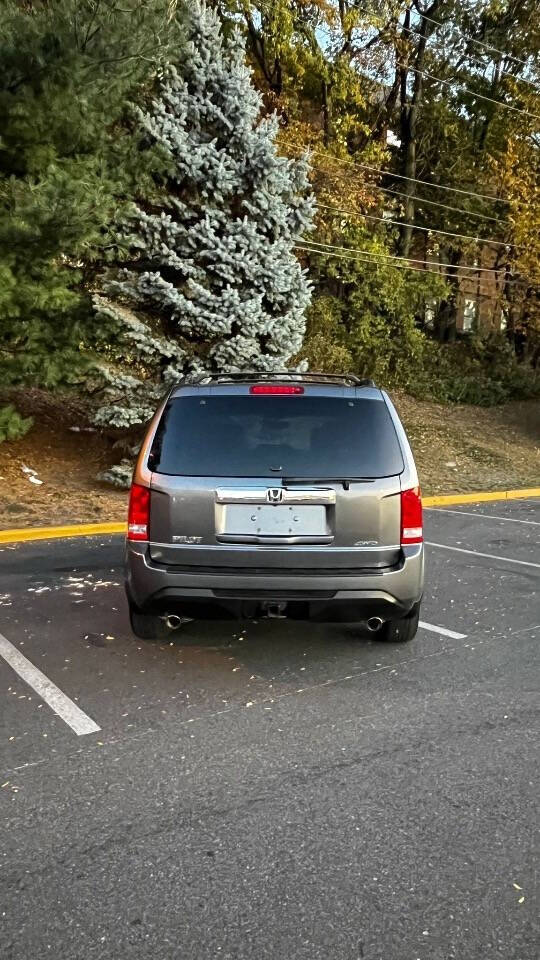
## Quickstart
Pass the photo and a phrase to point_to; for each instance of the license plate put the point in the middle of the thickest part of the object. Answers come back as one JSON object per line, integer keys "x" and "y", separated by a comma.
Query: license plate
{"x": 275, "y": 521}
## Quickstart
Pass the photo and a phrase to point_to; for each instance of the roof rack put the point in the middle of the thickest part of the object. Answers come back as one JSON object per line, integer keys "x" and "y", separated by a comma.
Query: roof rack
{"x": 248, "y": 376}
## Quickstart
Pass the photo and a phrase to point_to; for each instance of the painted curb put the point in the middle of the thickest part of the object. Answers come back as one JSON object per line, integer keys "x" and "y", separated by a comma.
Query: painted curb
{"x": 449, "y": 499}
{"x": 25, "y": 534}
{"x": 55, "y": 533}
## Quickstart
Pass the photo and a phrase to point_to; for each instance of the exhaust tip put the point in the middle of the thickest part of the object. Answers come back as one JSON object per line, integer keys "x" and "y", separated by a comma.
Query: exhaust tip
{"x": 173, "y": 621}
{"x": 374, "y": 624}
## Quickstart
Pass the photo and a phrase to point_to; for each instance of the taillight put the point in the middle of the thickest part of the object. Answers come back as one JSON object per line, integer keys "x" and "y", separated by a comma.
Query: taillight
{"x": 138, "y": 512}
{"x": 274, "y": 389}
{"x": 411, "y": 516}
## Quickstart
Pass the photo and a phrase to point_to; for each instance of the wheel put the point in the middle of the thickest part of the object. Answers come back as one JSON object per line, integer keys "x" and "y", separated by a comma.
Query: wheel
{"x": 400, "y": 631}
{"x": 148, "y": 626}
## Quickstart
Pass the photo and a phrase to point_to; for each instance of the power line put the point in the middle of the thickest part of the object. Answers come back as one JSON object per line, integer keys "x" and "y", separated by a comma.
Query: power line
{"x": 480, "y": 63}
{"x": 393, "y": 256}
{"x": 415, "y": 226}
{"x": 304, "y": 245}
{"x": 507, "y": 73}
{"x": 394, "y": 266}
{"x": 401, "y": 176}
{"x": 481, "y": 43}
{"x": 375, "y": 263}
{"x": 454, "y": 30}
{"x": 404, "y": 266}
{"x": 480, "y": 96}
{"x": 400, "y": 193}
{"x": 436, "y": 203}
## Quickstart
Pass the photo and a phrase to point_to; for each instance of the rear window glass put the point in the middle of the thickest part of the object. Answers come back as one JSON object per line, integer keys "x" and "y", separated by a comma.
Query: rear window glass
{"x": 261, "y": 436}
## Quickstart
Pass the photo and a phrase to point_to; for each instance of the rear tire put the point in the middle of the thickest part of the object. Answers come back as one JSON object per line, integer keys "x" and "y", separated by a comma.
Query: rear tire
{"x": 400, "y": 631}
{"x": 148, "y": 626}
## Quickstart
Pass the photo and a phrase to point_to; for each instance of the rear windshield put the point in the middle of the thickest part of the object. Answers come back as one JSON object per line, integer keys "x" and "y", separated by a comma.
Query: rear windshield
{"x": 264, "y": 436}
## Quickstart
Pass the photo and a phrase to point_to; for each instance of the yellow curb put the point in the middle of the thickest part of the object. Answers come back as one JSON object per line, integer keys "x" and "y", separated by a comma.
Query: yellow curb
{"x": 53, "y": 533}
{"x": 94, "y": 529}
{"x": 449, "y": 499}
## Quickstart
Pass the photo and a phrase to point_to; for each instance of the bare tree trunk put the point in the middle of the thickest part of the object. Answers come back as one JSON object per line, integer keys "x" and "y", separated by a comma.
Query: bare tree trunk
{"x": 408, "y": 147}
{"x": 326, "y": 111}
{"x": 409, "y": 118}
{"x": 445, "y": 324}
{"x": 383, "y": 120}
{"x": 272, "y": 72}
{"x": 347, "y": 32}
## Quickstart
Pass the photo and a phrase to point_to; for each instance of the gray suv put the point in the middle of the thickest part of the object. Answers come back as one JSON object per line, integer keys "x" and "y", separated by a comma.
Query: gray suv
{"x": 275, "y": 495}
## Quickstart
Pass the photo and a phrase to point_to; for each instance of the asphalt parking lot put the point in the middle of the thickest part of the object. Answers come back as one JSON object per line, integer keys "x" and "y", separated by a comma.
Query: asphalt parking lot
{"x": 273, "y": 790}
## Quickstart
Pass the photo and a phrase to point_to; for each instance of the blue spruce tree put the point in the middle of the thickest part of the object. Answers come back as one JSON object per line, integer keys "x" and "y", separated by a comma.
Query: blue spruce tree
{"x": 213, "y": 284}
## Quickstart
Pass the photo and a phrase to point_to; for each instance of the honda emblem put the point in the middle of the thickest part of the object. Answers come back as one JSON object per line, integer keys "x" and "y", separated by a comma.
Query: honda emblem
{"x": 275, "y": 495}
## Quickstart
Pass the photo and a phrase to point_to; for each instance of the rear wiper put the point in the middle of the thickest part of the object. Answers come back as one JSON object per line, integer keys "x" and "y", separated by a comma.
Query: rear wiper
{"x": 344, "y": 480}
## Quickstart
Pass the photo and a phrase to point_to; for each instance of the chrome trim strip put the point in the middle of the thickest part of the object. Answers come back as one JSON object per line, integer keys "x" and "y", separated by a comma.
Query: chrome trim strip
{"x": 259, "y": 495}
{"x": 276, "y": 541}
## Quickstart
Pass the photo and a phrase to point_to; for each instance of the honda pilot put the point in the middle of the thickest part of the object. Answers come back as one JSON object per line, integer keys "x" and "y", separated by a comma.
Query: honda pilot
{"x": 266, "y": 495}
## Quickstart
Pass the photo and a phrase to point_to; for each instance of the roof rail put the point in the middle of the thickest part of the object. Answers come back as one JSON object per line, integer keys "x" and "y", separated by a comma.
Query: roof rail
{"x": 248, "y": 376}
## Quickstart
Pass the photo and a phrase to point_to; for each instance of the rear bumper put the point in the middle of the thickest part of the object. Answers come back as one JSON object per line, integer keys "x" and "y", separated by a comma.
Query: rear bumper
{"x": 330, "y": 596}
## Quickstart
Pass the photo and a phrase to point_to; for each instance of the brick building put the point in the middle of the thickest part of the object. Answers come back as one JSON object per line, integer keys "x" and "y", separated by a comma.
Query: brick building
{"x": 477, "y": 304}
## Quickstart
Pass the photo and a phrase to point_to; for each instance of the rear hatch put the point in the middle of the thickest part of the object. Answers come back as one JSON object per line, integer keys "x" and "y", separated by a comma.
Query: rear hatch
{"x": 310, "y": 478}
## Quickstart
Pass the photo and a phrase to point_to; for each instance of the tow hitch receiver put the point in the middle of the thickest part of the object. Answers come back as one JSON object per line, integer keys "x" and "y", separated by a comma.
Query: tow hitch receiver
{"x": 274, "y": 611}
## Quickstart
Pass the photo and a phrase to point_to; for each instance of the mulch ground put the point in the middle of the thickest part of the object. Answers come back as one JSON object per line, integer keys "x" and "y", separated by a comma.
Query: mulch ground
{"x": 457, "y": 449}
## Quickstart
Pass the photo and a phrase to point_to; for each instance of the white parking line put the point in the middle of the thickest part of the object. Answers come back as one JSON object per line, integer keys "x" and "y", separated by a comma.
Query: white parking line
{"x": 68, "y": 711}
{"x": 490, "y": 556}
{"x": 484, "y": 516}
{"x": 442, "y": 631}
